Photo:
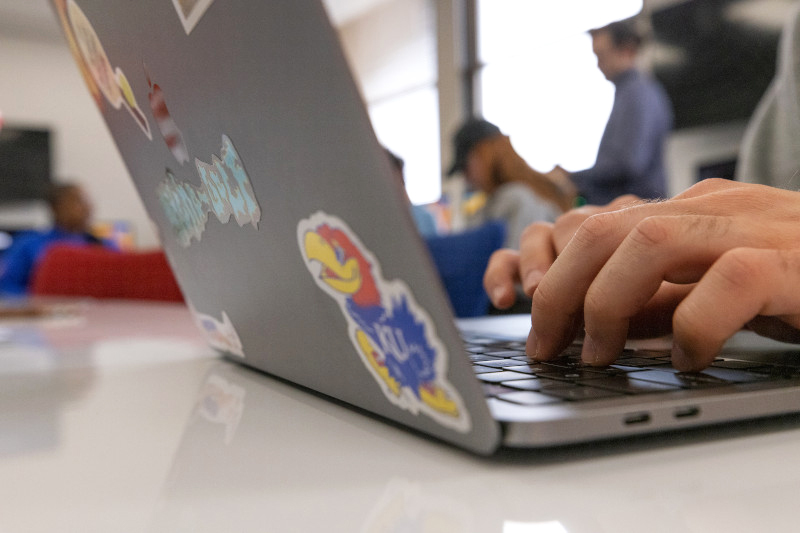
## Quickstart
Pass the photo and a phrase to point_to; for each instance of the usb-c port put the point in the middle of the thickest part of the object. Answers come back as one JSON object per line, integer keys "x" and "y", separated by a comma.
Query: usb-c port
{"x": 637, "y": 418}
{"x": 687, "y": 412}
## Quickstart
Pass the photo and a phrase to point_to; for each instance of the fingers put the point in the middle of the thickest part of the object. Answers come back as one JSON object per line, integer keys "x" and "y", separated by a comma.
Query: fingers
{"x": 558, "y": 301}
{"x": 655, "y": 320}
{"x": 567, "y": 224}
{"x": 537, "y": 254}
{"x": 632, "y": 264}
{"x": 678, "y": 249}
{"x": 613, "y": 268}
{"x": 502, "y": 274}
{"x": 745, "y": 282}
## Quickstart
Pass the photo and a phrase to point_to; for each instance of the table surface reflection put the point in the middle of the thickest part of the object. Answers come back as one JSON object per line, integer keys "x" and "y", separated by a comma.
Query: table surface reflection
{"x": 115, "y": 416}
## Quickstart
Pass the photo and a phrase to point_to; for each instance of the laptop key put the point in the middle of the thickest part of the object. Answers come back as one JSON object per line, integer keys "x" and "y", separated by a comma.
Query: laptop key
{"x": 535, "y": 384}
{"x": 498, "y": 363}
{"x": 477, "y": 358}
{"x": 494, "y": 389}
{"x": 503, "y": 353}
{"x": 580, "y": 393}
{"x": 532, "y": 368}
{"x": 624, "y": 384}
{"x": 733, "y": 375}
{"x": 686, "y": 380}
{"x": 528, "y": 398}
{"x": 571, "y": 374}
{"x": 736, "y": 364}
{"x": 498, "y": 377}
{"x": 642, "y": 362}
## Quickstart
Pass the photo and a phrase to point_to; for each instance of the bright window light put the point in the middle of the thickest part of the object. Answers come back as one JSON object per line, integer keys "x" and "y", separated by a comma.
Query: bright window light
{"x": 540, "y": 83}
{"x": 408, "y": 125}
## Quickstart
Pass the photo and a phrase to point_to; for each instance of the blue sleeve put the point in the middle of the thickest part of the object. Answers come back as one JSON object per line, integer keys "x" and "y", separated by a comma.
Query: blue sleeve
{"x": 632, "y": 138}
{"x": 17, "y": 266}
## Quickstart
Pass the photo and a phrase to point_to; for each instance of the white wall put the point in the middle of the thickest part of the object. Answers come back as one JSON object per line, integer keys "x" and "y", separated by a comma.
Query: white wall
{"x": 40, "y": 85}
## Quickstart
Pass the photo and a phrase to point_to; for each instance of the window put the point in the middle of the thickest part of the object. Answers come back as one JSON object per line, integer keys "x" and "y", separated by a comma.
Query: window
{"x": 392, "y": 50}
{"x": 539, "y": 80}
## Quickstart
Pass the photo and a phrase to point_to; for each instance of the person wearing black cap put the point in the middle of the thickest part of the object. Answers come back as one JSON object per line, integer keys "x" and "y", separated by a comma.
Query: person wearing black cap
{"x": 515, "y": 193}
{"x": 630, "y": 158}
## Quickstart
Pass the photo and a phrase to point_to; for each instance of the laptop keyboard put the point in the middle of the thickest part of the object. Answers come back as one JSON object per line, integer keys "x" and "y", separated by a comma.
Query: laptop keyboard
{"x": 508, "y": 374}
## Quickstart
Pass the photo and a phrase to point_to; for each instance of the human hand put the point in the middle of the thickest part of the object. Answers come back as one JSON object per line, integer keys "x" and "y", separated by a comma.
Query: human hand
{"x": 540, "y": 244}
{"x": 651, "y": 267}
{"x": 561, "y": 179}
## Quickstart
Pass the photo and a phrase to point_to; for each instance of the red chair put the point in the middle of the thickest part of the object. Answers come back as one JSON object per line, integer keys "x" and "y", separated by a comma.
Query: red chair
{"x": 68, "y": 270}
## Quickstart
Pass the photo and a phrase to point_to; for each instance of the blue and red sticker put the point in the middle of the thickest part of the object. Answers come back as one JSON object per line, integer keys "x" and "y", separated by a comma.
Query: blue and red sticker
{"x": 394, "y": 337}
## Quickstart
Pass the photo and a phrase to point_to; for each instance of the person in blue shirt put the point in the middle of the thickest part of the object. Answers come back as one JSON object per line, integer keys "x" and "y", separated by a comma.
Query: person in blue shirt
{"x": 72, "y": 213}
{"x": 630, "y": 158}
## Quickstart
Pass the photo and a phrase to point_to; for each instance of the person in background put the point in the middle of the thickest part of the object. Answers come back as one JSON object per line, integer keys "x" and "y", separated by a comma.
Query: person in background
{"x": 423, "y": 219}
{"x": 630, "y": 158}
{"x": 515, "y": 193}
{"x": 72, "y": 214}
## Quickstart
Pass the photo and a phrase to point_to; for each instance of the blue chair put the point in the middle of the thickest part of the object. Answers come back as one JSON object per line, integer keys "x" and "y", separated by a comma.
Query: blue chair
{"x": 461, "y": 260}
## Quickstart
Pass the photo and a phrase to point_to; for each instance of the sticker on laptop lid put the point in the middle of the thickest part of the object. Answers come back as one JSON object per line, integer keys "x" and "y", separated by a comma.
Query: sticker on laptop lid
{"x": 190, "y": 12}
{"x": 112, "y": 82}
{"x": 394, "y": 337}
{"x": 219, "y": 334}
{"x": 166, "y": 124}
{"x": 225, "y": 190}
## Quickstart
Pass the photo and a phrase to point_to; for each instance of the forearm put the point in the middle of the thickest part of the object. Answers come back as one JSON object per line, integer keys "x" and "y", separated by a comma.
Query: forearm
{"x": 511, "y": 167}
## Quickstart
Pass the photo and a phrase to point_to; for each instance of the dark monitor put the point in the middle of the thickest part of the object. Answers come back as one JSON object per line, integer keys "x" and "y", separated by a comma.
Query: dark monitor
{"x": 714, "y": 65}
{"x": 725, "y": 169}
{"x": 24, "y": 164}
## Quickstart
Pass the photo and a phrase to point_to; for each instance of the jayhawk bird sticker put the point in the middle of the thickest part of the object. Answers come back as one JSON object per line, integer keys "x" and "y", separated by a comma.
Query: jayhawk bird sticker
{"x": 392, "y": 334}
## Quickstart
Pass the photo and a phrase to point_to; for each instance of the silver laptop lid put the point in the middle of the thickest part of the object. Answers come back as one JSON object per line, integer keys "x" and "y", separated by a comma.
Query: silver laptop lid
{"x": 252, "y": 151}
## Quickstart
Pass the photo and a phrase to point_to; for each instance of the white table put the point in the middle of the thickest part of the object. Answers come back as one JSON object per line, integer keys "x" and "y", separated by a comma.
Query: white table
{"x": 115, "y": 417}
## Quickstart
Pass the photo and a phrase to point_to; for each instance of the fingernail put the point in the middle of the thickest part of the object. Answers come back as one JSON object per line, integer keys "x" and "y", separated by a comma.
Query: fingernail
{"x": 679, "y": 358}
{"x": 589, "y": 354}
{"x": 497, "y": 294}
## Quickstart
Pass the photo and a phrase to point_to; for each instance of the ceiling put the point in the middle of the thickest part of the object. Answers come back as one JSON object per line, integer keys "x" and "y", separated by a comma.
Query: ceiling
{"x": 34, "y": 19}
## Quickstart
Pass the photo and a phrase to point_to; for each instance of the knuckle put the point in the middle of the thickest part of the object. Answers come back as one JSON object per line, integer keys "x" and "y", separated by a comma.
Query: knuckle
{"x": 534, "y": 230}
{"x": 543, "y": 299}
{"x": 738, "y": 267}
{"x": 651, "y": 231}
{"x": 498, "y": 261}
{"x": 626, "y": 200}
{"x": 685, "y": 320}
{"x": 574, "y": 217}
{"x": 707, "y": 186}
{"x": 596, "y": 228}
{"x": 595, "y": 302}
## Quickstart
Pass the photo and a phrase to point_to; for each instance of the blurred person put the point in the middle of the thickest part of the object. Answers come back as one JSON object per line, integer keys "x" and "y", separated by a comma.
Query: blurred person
{"x": 71, "y": 214}
{"x": 423, "y": 219}
{"x": 630, "y": 158}
{"x": 515, "y": 193}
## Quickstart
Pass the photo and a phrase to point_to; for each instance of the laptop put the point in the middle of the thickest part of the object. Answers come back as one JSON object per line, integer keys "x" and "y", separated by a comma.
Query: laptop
{"x": 253, "y": 153}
